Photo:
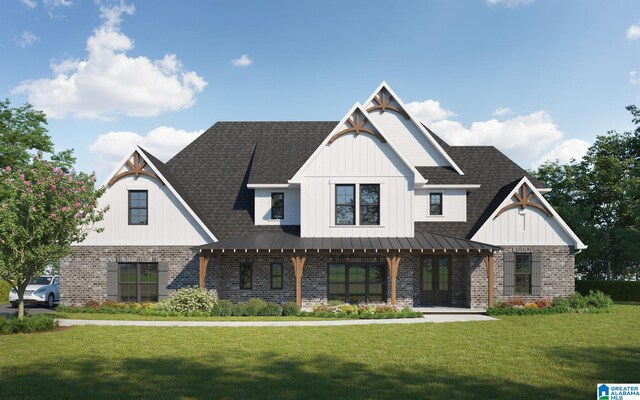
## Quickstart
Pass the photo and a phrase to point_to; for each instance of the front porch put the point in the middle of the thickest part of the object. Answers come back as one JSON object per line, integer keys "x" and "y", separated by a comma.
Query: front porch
{"x": 425, "y": 271}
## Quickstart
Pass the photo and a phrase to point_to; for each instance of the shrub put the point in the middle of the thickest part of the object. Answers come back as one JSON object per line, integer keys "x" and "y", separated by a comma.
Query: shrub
{"x": 526, "y": 310}
{"x": 531, "y": 305}
{"x": 290, "y": 309}
{"x": 517, "y": 301}
{"x": 240, "y": 310}
{"x": 254, "y": 307}
{"x": 503, "y": 304}
{"x": 333, "y": 303}
{"x": 191, "y": 299}
{"x": 30, "y": 324}
{"x": 224, "y": 308}
{"x": 618, "y": 290}
{"x": 593, "y": 301}
{"x": 542, "y": 303}
{"x": 271, "y": 310}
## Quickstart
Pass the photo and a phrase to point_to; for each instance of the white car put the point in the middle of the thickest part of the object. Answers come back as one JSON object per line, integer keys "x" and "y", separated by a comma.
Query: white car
{"x": 44, "y": 290}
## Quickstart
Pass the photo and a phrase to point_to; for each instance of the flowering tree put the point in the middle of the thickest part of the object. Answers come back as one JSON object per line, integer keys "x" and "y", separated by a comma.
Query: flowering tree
{"x": 44, "y": 208}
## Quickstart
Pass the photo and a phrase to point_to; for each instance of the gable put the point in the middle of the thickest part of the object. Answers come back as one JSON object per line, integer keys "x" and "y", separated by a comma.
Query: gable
{"x": 414, "y": 141}
{"x": 524, "y": 217}
{"x": 357, "y": 147}
{"x": 171, "y": 221}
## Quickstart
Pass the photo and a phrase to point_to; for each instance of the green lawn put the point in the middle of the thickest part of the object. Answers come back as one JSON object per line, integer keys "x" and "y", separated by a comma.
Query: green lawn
{"x": 136, "y": 317}
{"x": 548, "y": 356}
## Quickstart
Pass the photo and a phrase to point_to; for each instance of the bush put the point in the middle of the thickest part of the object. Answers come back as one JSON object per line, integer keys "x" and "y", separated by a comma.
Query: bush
{"x": 593, "y": 301}
{"x": 290, "y": 309}
{"x": 30, "y": 324}
{"x": 618, "y": 290}
{"x": 526, "y": 310}
{"x": 271, "y": 310}
{"x": 5, "y": 288}
{"x": 224, "y": 308}
{"x": 254, "y": 306}
{"x": 191, "y": 299}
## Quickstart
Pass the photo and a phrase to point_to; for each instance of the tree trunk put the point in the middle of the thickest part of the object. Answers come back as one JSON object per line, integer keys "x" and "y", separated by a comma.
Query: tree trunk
{"x": 21, "y": 309}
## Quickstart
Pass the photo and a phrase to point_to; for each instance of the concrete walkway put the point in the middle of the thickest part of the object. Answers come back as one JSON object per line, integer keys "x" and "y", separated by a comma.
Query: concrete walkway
{"x": 343, "y": 322}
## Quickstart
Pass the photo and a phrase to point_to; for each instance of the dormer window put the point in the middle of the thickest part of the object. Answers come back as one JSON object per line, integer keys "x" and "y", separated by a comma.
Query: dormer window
{"x": 138, "y": 207}
{"x": 345, "y": 204}
{"x": 277, "y": 205}
{"x": 435, "y": 204}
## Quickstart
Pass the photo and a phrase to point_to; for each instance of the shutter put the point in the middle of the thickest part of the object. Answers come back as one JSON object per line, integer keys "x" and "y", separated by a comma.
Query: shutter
{"x": 112, "y": 281}
{"x": 536, "y": 281}
{"x": 163, "y": 280}
{"x": 509, "y": 268}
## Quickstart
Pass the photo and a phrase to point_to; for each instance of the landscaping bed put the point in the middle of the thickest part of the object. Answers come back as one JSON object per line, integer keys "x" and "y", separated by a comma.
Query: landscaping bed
{"x": 29, "y": 324}
{"x": 594, "y": 302}
{"x": 198, "y": 303}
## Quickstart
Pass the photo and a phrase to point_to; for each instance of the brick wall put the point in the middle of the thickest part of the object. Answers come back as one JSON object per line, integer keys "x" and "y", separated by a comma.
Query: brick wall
{"x": 84, "y": 272}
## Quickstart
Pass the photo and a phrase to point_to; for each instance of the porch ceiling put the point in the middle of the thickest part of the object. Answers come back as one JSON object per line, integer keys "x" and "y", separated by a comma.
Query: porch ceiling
{"x": 284, "y": 242}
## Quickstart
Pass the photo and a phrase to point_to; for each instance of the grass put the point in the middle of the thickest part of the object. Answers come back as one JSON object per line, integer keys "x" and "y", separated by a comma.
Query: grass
{"x": 137, "y": 317}
{"x": 559, "y": 356}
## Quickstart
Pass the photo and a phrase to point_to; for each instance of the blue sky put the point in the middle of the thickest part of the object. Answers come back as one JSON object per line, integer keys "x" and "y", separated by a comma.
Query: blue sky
{"x": 537, "y": 79}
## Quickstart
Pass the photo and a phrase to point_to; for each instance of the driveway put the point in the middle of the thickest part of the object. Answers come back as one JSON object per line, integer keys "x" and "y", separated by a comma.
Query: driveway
{"x": 6, "y": 309}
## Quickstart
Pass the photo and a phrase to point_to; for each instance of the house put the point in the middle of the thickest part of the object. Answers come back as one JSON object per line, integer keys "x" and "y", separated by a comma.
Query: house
{"x": 373, "y": 208}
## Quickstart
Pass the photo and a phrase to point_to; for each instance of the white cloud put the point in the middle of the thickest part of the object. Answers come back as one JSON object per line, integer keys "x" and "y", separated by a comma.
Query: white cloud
{"x": 242, "y": 61}
{"x": 633, "y": 32}
{"x": 29, "y": 3}
{"x": 565, "y": 151}
{"x": 163, "y": 142}
{"x": 26, "y": 39}
{"x": 520, "y": 137}
{"x": 502, "y": 111}
{"x": 509, "y": 3}
{"x": 633, "y": 78}
{"x": 428, "y": 110}
{"x": 109, "y": 82}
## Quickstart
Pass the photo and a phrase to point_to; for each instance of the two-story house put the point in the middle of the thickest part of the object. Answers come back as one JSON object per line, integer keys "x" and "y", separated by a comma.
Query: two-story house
{"x": 372, "y": 208}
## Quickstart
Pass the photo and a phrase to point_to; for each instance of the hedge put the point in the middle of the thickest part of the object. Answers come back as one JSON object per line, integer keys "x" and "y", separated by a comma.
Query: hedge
{"x": 618, "y": 290}
{"x": 4, "y": 291}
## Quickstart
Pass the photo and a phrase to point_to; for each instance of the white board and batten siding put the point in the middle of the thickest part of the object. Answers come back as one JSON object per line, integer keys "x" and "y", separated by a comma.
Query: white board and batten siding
{"x": 169, "y": 223}
{"x": 291, "y": 207}
{"x": 454, "y": 205}
{"x": 522, "y": 227}
{"x": 411, "y": 142}
{"x": 356, "y": 159}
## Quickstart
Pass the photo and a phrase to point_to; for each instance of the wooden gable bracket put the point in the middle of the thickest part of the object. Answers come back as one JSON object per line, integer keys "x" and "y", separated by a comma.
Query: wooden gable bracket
{"x": 524, "y": 201}
{"x": 136, "y": 168}
{"x": 357, "y": 126}
{"x": 383, "y": 103}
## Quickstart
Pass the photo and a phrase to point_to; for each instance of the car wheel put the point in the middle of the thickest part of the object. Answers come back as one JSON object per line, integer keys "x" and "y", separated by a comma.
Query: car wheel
{"x": 50, "y": 301}
{"x": 14, "y": 304}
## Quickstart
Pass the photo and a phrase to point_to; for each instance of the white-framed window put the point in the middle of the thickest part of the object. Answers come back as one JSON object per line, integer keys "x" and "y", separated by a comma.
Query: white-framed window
{"x": 357, "y": 204}
{"x": 435, "y": 203}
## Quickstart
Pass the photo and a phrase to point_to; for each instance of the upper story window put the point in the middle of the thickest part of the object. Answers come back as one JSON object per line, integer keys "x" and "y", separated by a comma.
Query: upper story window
{"x": 345, "y": 204}
{"x": 522, "y": 275}
{"x": 369, "y": 204}
{"x": 435, "y": 204}
{"x": 138, "y": 207}
{"x": 277, "y": 205}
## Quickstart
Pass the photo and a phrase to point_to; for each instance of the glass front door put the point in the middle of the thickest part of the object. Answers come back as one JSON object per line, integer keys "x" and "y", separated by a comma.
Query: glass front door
{"x": 435, "y": 281}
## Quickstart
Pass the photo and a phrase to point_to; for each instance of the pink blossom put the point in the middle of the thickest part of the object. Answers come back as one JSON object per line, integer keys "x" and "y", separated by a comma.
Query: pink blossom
{"x": 65, "y": 209}
{"x": 53, "y": 188}
{"x": 52, "y": 215}
{"x": 33, "y": 208}
{"x": 78, "y": 215}
{"x": 76, "y": 204}
{"x": 27, "y": 183}
{"x": 54, "y": 169}
{"x": 7, "y": 168}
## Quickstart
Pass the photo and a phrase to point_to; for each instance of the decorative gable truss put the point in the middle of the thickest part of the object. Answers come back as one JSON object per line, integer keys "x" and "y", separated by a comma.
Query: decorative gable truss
{"x": 384, "y": 99}
{"x": 546, "y": 225}
{"x": 357, "y": 121}
{"x": 138, "y": 164}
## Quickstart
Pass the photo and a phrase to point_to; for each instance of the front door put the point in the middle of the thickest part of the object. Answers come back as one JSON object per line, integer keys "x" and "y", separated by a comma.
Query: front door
{"x": 435, "y": 281}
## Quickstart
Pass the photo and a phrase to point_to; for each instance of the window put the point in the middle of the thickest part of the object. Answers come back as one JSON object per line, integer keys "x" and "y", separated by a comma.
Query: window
{"x": 369, "y": 204}
{"x": 276, "y": 276}
{"x": 523, "y": 274}
{"x": 345, "y": 204}
{"x": 246, "y": 276}
{"x": 138, "y": 203}
{"x": 137, "y": 282}
{"x": 357, "y": 282}
{"x": 277, "y": 205}
{"x": 435, "y": 204}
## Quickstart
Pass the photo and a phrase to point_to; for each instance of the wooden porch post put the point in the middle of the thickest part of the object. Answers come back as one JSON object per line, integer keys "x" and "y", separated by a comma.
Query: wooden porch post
{"x": 393, "y": 262}
{"x": 204, "y": 260}
{"x": 490, "y": 278}
{"x": 298, "y": 266}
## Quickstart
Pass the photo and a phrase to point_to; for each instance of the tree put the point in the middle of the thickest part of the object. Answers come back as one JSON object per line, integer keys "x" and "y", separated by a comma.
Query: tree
{"x": 599, "y": 197}
{"x": 22, "y": 132}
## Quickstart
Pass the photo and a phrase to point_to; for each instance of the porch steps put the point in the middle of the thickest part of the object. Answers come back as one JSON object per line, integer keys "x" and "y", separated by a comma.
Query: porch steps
{"x": 450, "y": 310}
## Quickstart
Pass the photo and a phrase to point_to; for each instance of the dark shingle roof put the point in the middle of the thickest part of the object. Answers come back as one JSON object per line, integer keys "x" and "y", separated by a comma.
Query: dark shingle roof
{"x": 212, "y": 173}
